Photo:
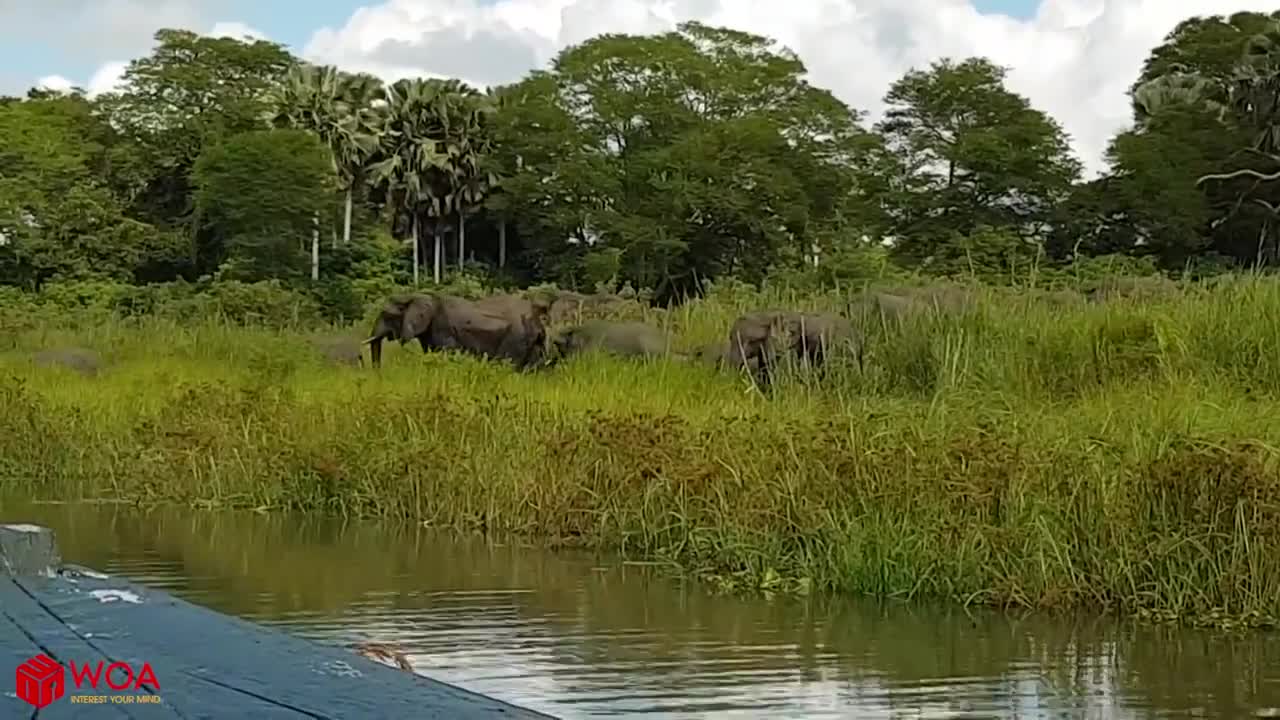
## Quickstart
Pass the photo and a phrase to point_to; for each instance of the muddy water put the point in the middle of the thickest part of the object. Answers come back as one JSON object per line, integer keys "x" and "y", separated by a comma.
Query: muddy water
{"x": 578, "y": 636}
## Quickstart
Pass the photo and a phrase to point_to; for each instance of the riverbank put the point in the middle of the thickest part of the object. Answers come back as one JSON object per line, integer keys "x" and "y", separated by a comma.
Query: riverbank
{"x": 1117, "y": 456}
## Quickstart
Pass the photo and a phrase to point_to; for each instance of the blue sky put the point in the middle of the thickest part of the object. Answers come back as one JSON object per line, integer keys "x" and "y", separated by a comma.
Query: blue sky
{"x": 30, "y": 47}
{"x": 276, "y": 19}
{"x": 1021, "y": 9}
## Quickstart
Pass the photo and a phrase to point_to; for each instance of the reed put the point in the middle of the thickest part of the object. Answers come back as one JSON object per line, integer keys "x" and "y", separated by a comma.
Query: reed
{"x": 1119, "y": 456}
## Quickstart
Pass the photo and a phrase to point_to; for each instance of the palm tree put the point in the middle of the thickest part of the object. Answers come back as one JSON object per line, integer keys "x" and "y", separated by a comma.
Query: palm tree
{"x": 1177, "y": 88}
{"x": 339, "y": 109}
{"x": 471, "y": 157}
{"x": 410, "y": 162}
{"x": 433, "y": 156}
{"x": 361, "y": 95}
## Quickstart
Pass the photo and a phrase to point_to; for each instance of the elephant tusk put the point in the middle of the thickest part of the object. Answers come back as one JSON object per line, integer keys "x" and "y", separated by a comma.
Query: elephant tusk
{"x": 366, "y": 342}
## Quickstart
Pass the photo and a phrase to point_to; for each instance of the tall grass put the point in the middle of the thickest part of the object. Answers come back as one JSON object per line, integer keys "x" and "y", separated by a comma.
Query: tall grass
{"x": 1119, "y": 455}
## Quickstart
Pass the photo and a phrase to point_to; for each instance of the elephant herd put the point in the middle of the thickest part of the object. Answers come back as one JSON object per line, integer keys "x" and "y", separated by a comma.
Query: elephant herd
{"x": 513, "y": 328}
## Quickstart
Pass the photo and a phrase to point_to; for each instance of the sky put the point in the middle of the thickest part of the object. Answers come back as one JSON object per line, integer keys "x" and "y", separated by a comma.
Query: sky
{"x": 1073, "y": 59}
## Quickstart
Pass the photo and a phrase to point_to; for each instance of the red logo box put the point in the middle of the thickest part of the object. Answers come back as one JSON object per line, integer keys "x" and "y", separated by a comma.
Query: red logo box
{"x": 41, "y": 680}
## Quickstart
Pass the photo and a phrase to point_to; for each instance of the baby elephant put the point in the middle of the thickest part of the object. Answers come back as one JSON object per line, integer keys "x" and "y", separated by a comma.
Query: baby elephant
{"x": 340, "y": 350}
{"x": 626, "y": 339}
{"x": 713, "y": 355}
{"x": 82, "y": 360}
{"x": 759, "y": 339}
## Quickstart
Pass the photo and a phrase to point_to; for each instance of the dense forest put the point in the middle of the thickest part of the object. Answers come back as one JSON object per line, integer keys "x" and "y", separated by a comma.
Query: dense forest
{"x": 659, "y": 162}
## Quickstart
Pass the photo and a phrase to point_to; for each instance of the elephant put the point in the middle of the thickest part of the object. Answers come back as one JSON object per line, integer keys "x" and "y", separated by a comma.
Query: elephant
{"x": 507, "y": 327}
{"x": 1136, "y": 288}
{"x": 340, "y": 350}
{"x": 713, "y": 355}
{"x": 1062, "y": 297}
{"x": 891, "y": 309}
{"x": 626, "y": 339}
{"x": 81, "y": 360}
{"x": 756, "y": 337}
{"x": 943, "y": 298}
{"x": 569, "y": 306}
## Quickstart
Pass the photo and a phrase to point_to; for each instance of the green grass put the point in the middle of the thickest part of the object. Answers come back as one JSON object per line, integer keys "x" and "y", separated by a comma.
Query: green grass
{"x": 1117, "y": 456}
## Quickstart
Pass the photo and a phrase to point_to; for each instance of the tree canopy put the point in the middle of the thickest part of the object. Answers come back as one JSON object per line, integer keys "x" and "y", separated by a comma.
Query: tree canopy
{"x": 662, "y": 160}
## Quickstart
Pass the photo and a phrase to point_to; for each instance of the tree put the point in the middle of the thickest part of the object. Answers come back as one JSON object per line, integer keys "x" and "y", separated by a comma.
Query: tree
{"x": 190, "y": 92}
{"x": 1205, "y": 120}
{"x": 408, "y": 163}
{"x": 430, "y": 156}
{"x": 973, "y": 154}
{"x": 339, "y": 108}
{"x": 1207, "y": 47}
{"x": 691, "y": 153}
{"x": 58, "y": 214}
{"x": 256, "y": 196}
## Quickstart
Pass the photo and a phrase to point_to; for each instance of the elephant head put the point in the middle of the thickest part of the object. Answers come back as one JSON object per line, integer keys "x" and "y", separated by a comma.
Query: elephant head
{"x": 403, "y": 318}
{"x": 757, "y": 339}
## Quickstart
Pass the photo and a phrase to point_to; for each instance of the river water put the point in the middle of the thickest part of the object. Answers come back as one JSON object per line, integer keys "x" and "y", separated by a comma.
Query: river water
{"x": 577, "y": 636}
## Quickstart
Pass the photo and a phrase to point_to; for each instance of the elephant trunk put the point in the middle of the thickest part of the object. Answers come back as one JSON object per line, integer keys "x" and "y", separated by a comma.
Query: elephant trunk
{"x": 375, "y": 351}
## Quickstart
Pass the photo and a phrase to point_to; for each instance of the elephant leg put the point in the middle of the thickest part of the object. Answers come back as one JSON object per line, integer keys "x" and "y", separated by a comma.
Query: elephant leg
{"x": 817, "y": 359}
{"x": 765, "y": 361}
{"x": 375, "y": 353}
{"x": 516, "y": 348}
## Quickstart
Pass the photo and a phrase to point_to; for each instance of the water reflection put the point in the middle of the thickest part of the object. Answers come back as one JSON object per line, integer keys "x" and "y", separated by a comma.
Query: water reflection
{"x": 577, "y": 636}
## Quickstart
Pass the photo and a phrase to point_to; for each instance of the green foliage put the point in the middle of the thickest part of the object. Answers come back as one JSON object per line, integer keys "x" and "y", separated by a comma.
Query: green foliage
{"x": 661, "y": 161}
{"x": 1098, "y": 453}
{"x": 972, "y": 154}
{"x": 58, "y": 214}
{"x": 677, "y": 151}
{"x": 1116, "y": 456}
{"x": 995, "y": 256}
{"x": 190, "y": 92}
{"x": 1188, "y": 174}
{"x": 257, "y": 195}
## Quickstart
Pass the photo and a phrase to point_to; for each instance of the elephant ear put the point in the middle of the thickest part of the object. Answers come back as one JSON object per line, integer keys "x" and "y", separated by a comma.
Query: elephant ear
{"x": 561, "y": 340}
{"x": 417, "y": 317}
{"x": 534, "y": 329}
{"x": 541, "y": 305}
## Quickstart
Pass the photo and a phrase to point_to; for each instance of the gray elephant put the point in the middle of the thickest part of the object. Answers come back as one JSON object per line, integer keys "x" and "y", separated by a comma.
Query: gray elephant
{"x": 507, "y": 327}
{"x": 891, "y": 309}
{"x": 713, "y": 355}
{"x": 887, "y": 309}
{"x": 625, "y": 339}
{"x": 1062, "y": 297}
{"x": 340, "y": 350}
{"x": 758, "y": 338}
{"x": 1142, "y": 289}
{"x": 568, "y": 306}
{"x": 81, "y": 360}
{"x": 943, "y": 298}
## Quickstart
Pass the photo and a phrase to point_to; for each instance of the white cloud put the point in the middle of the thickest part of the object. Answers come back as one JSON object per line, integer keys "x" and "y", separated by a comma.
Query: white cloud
{"x": 54, "y": 82}
{"x": 236, "y": 30}
{"x": 1075, "y": 59}
{"x": 109, "y": 74}
{"x": 106, "y": 78}
{"x": 85, "y": 30}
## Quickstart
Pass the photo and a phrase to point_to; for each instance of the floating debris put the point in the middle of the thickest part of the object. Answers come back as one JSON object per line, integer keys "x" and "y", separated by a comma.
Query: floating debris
{"x": 107, "y": 596}
{"x": 384, "y": 654}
